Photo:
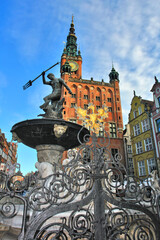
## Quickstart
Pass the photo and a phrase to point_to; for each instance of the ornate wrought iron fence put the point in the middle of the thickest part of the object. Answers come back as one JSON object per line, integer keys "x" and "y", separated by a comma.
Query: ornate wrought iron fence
{"x": 90, "y": 197}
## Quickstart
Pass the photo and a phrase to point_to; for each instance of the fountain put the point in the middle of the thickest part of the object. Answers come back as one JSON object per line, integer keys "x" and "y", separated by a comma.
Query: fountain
{"x": 50, "y": 135}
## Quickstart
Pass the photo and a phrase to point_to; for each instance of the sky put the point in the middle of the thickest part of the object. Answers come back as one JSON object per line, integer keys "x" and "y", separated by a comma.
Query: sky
{"x": 32, "y": 35}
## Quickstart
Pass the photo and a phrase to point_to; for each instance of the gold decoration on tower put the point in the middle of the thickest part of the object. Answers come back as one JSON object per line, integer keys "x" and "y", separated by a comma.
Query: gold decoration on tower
{"x": 92, "y": 117}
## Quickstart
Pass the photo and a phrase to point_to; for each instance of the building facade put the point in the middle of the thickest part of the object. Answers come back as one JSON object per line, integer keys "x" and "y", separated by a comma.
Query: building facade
{"x": 8, "y": 153}
{"x": 143, "y": 150}
{"x": 155, "y": 120}
{"x": 128, "y": 150}
{"x": 91, "y": 91}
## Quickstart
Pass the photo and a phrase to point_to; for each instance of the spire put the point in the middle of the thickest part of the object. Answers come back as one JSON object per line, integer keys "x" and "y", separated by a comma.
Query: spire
{"x": 114, "y": 76}
{"x": 134, "y": 93}
{"x": 156, "y": 80}
{"x": 71, "y": 45}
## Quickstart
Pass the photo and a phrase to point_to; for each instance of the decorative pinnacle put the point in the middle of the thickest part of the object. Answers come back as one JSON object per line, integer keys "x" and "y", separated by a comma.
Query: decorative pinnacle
{"x": 72, "y": 19}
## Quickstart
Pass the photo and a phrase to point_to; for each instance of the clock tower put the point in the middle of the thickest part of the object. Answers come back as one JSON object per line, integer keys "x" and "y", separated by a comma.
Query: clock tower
{"x": 86, "y": 91}
{"x": 71, "y": 60}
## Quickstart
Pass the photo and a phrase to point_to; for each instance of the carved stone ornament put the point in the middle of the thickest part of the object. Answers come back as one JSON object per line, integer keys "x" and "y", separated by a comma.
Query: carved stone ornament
{"x": 15, "y": 137}
{"x": 59, "y": 130}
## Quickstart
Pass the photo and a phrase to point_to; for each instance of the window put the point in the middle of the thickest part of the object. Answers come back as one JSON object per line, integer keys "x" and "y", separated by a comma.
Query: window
{"x": 145, "y": 125}
{"x": 148, "y": 144}
{"x": 73, "y": 95}
{"x": 129, "y": 148}
{"x": 85, "y": 106}
{"x": 73, "y": 120}
{"x": 151, "y": 165}
{"x": 85, "y": 96}
{"x": 0, "y": 151}
{"x": 139, "y": 148}
{"x": 159, "y": 101}
{"x": 130, "y": 162}
{"x": 98, "y": 107}
{"x": 109, "y": 99}
{"x": 114, "y": 151}
{"x": 158, "y": 125}
{"x": 136, "y": 130}
{"x": 73, "y": 105}
{"x": 109, "y": 109}
{"x": 141, "y": 167}
{"x": 135, "y": 114}
{"x": 117, "y": 99}
{"x": 112, "y": 127}
{"x": 97, "y": 98}
{"x": 140, "y": 110}
{"x": 101, "y": 132}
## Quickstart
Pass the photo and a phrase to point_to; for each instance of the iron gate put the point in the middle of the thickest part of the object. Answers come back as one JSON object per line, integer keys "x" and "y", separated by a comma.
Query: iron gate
{"x": 90, "y": 197}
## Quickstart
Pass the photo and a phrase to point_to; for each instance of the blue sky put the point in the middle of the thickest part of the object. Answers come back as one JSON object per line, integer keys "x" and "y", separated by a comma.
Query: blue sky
{"x": 124, "y": 32}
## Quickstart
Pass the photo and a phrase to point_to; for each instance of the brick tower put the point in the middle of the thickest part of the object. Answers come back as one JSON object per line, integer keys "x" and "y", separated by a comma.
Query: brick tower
{"x": 91, "y": 91}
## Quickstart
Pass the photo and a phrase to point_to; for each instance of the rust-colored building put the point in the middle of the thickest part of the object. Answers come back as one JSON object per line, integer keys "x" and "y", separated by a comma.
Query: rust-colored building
{"x": 91, "y": 91}
{"x": 8, "y": 152}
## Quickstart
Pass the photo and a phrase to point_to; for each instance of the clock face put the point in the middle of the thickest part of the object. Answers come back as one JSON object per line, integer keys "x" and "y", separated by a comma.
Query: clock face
{"x": 74, "y": 66}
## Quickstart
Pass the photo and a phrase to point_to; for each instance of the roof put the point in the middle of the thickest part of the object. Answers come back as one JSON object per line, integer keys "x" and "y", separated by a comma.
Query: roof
{"x": 148, "y": 102}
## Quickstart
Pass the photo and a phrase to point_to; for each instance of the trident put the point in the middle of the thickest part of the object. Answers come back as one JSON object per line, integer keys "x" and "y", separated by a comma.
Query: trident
{"x": 28, "y": 84}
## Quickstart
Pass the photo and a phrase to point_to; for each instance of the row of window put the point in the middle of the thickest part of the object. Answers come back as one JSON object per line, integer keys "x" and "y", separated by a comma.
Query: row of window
{"x": 148, "y": 145}
{"x": 85, "y": 96}
{"x": 145, "y": 127}
{"x": 112, "y": 128}
{"x": 86, "y": 107}
{"x": 142, "y": 169}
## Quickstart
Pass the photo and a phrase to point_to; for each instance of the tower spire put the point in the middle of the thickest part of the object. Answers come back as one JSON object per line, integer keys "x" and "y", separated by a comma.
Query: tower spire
{"x": 71, "y": 45}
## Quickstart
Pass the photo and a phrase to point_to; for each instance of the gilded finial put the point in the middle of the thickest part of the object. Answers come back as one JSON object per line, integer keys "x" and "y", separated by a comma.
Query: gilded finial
{"x": 72, "y": 18}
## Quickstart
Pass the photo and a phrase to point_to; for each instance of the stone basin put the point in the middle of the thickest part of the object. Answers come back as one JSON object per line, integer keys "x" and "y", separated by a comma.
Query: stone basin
{"x": 37, "y": 132}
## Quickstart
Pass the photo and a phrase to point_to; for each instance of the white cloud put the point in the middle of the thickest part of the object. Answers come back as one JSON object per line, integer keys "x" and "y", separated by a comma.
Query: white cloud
{"x": 125, "y": 32}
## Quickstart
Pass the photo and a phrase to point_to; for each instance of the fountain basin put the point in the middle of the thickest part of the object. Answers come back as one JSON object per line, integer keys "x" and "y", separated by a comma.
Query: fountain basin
{"x": 37, "y": 132}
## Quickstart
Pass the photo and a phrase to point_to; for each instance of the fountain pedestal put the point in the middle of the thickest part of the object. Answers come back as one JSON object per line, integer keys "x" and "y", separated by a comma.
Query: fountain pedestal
{"x": 50, "y": 153}
{"x": 50, "y": 137}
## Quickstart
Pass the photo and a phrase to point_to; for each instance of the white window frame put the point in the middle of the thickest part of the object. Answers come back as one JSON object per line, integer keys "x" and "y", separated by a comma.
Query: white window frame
{"x": 136, "y": 129}
{"x": 148, "y": 144}
{"x": 141, "y": 168}
{"x": 139, "y": 110}
{"x": 135, "y": 114}
{"x": 130, "y": 162}
{"x": 129, "y": 149}
{"x": 139, "y": 147}
{"x": 151, "y": 164}
{"x": 145, "y": 125}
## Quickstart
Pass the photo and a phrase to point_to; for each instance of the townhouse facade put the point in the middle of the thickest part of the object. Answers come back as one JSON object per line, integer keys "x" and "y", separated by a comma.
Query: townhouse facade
{"x": 143, "y": 149}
